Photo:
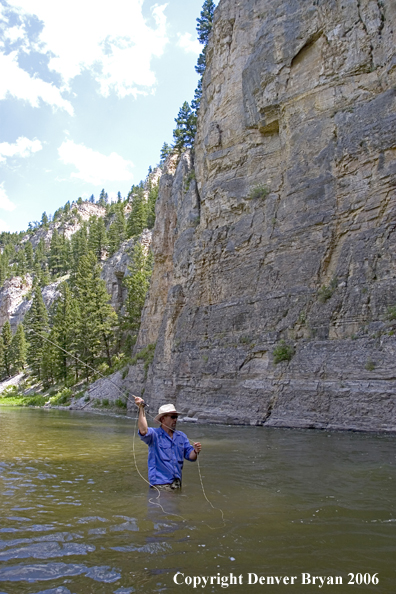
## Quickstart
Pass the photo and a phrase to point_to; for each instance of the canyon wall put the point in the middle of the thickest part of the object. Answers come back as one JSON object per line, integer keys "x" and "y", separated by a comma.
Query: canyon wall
{"x": 273, "y": 299}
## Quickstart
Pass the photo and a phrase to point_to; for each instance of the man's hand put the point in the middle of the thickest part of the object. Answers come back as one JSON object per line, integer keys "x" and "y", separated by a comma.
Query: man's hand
{"x": 197, "y": 447}
{"x": 142, "y": 421}
{"x": 139, "y": 401}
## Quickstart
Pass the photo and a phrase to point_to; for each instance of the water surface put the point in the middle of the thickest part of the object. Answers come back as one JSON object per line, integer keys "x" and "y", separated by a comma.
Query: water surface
{"x": 76, "y": 517}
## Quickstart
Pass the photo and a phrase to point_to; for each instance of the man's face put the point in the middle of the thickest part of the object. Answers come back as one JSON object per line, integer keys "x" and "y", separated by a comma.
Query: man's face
{"x": 169, "y": 421}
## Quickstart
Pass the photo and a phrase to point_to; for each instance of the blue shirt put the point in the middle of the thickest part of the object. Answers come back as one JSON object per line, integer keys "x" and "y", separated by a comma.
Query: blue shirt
{"x": 165, "y": 456}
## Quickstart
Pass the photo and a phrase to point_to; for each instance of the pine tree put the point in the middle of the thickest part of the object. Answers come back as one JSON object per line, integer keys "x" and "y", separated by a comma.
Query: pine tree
{"x": 66, "y": 259}
{"x": 97, "y": 239}
{"x": 204, "y": 27}
{"x": 36, "y": 321}
{"x": 2, "y": 371}
{"x": 29, "y": 255}
{"x": 19, "y": 349}
{"x": 44, "y": 219}
{"x": 56, "y": 255}
{"x": 4, "y": 268}
{"x": 186, "y": 128}
{"x": 151, "y": 201}
{"x": 201, "y": 63}
{"x": 64, "y": 330}
{"x": 196, "y": 102}
{"x": 205, "y": 22}
{"x": 45, "y": 278}
{"x": 117, "y": 230}
{"x": 6, "y": 339}
{"x": 166, "y": 150}
{"x": 92, "y": 199}
{"x": 48, "y": 363}
{"x": 137, "y": 282}
{"x": 97, "y": 317}
{"x": 137, "y": 220}
{"x": 102, "y": 198}
{"x": 79, "y": 247}
{"x": 21, "y": 264}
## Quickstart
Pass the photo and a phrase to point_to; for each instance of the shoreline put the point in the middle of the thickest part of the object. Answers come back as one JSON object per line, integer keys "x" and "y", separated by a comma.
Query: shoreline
{"x": 194, "y": 421}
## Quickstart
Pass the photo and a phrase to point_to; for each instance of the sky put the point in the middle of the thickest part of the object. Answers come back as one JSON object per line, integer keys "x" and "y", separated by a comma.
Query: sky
{"x": 88, "y": 95}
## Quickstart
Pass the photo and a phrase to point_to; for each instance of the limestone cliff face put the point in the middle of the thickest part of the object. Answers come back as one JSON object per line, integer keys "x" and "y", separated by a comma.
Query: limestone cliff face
{"x": 288, "y": 232}
{"x": 14, "y": 301}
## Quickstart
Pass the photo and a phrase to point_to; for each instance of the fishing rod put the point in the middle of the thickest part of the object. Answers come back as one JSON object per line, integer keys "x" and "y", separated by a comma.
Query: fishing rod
{"x": 145, "y": 406}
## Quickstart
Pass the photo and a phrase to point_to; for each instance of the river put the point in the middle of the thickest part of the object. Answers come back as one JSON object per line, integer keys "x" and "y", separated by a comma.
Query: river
{"x": 76, "y": 517}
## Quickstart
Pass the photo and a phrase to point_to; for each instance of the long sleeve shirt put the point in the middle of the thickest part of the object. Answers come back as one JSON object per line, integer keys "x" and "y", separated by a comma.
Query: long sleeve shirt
{"x": 166, "y": 455}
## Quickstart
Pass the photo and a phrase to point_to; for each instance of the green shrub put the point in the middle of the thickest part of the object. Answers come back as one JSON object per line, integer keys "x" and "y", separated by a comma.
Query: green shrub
{"x": 282, "y": 352}
{"x": 370, "y": 365}
{"x": 105, "y": 402}
{"x": 10, "y": 392}
{"x": 121, "y": 403}
{"x": 62, "y": 398}
{"x": 35, "y": 400}
{"x": 260, "y": 191}
{"x": 147, "y": 355}
{"x": 188, "y": 179}
{"x": 325, "y": 292}
{"x": 391, "y": 313}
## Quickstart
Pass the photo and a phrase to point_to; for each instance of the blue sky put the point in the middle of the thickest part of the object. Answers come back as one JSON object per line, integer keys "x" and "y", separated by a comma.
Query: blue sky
{"x": 88, "y": 95}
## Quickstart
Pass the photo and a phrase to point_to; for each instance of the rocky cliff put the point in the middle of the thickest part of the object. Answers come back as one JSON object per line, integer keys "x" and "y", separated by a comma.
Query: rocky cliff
{"x": 274, "y": 289}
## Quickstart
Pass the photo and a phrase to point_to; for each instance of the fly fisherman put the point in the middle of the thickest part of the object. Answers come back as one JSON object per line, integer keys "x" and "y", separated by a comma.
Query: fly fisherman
{"x": 167, "y": 447}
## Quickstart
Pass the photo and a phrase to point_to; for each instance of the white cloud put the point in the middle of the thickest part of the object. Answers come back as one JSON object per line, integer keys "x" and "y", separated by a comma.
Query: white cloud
{"x": 23, "y": 147}
{"x": 189, "y": 44}
{"x": 5, "y": 202}
{"x": 113, "y": 41}
{"x": 15, "y": 33}
{"x": 93, "y": 167}
{"x": 4, "y": 226}
{"x": 17, "y": 82}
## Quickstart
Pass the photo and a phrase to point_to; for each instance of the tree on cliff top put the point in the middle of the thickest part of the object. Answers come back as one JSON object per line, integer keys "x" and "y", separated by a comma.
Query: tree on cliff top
{"x": 205, "y": 21}
{"x": 204, "y": 27}
{"x": 186, "y": 128}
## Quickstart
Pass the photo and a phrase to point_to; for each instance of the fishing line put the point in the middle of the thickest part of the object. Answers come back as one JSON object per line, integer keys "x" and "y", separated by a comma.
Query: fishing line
{"x": 125, "y": 394}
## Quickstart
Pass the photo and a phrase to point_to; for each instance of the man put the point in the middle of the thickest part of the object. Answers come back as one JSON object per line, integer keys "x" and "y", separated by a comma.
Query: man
{"x": 167, "y": 447}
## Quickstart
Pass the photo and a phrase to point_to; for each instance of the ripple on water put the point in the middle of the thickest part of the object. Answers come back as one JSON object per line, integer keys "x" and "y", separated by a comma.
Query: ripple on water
{"x": 46, "y": 550}
{"x": 152, "y": 549}
{"x": 59, "y": 590}
{"x": 53, "y": 571}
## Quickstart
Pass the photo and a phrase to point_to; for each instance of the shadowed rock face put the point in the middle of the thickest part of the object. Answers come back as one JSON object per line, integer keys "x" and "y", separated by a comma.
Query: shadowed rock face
{"x": 288, "y": 231}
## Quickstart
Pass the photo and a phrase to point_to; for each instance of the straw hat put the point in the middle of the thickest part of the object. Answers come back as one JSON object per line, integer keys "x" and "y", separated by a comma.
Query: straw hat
{"x": 166, "y": 409}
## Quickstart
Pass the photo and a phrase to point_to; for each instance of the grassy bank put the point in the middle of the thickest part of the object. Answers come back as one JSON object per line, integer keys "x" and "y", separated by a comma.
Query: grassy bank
{"x": 34, "y": 400}
{"x": 11, "y": 396}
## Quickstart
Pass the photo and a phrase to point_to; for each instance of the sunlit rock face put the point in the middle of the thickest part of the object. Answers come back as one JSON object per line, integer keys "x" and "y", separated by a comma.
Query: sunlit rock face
{"x": 14, "y": 299}
{"x": 288, "y": 230}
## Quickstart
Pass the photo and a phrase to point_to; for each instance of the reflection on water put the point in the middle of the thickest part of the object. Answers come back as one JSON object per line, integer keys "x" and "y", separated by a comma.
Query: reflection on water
{"x": 76, "y": 518}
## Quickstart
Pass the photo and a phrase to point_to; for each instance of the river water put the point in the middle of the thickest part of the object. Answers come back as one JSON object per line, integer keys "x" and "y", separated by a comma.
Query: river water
{"x": 76, "y": 517}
